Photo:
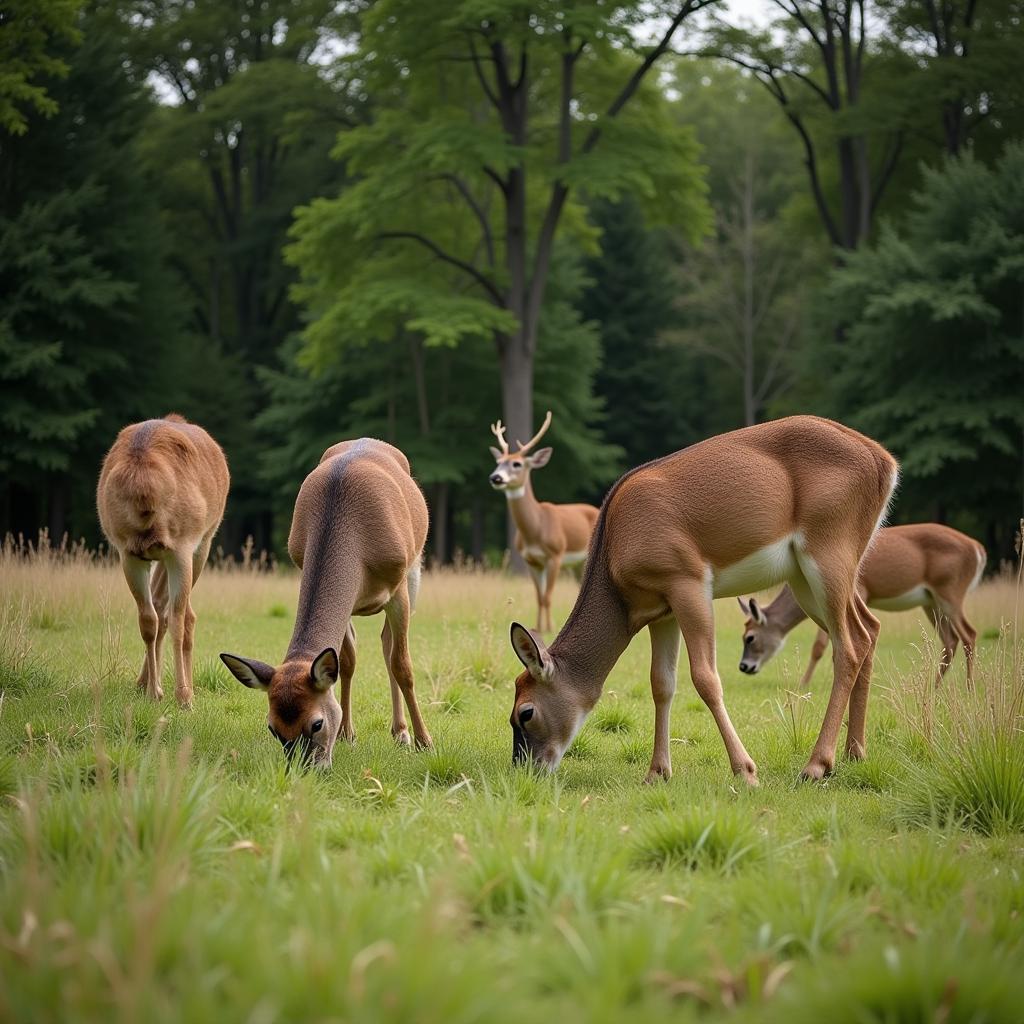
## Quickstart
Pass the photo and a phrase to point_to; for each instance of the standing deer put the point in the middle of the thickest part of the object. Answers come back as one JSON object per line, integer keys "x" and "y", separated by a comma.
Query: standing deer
{"x": 547, "y": 536}
{"x": 160, "y": 498}
{"x": 797, "y": 500}
{"x": 357, "y": 534}
{"x": 924, "y": 565}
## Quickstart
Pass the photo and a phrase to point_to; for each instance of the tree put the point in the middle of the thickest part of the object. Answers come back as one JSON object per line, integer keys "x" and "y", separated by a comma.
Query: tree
{"x": 241, "y": 139}
{"x": 934, "y": 360}
{"x": 742, "y": 293}
{"x": 509, "y": 110}
{"x": 33, "y": 34}
{"x": 86, "y": 317}
{"x": 814, "y": 61}
{"x": 435, "y": 401}
{"x": 647, "y": 385}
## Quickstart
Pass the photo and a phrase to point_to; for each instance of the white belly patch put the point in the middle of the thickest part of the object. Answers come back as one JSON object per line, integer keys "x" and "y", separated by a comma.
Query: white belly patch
{"x": 916, "y": 598}
{"x": 760, "y": 569}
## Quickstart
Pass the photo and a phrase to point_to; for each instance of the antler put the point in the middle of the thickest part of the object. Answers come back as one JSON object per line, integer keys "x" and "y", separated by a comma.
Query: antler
{"x": 499, "y": 432}
{"x": 537, "y": 436}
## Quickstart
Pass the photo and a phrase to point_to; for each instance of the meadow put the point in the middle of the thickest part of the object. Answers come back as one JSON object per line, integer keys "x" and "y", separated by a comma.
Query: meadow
{"x": 161, "y": 865}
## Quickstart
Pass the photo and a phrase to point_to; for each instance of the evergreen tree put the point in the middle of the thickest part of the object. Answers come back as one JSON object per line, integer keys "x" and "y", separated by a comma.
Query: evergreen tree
{"x": 86, "y": 317}
{"x": 932, "y": 363}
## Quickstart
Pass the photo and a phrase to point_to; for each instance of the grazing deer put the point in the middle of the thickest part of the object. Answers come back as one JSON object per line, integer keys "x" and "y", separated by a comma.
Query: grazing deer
{"x": 160, "y": 498}
{"x": 924, "y": 565}
{"x": 357, "y": 534}
{"x": 797, "y": 500}
{"x": 548, "y": 536}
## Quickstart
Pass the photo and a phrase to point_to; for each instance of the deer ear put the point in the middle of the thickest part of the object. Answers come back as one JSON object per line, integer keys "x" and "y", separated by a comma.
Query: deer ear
{"x": 756, "y": 613}
{"x": 540, "y": 457}
{"x": 497, "y": 454}
{"x": 744, "y": 606}
{"x": 531, "y": 652}
{"x": 324, "y": 671}
{"x": 249, "y": 672}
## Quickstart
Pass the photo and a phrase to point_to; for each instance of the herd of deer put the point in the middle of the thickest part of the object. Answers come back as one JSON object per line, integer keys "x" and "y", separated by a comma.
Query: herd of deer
{"x": 798, "y": 501}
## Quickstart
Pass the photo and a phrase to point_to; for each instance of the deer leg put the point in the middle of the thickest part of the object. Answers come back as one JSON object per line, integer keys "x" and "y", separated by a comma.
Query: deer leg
{"x": 347, "y": 657}
{"x": 947, "y": 637}
{"x": 136, "y": 573}
{"x": 691, "y": 605}
{"x": 826, "y": 587}
{"x": 665, "y": 637}
{"x": 158, "y": 581}
{"x": 398, "y": 611}
{"x": 968, "y": 637}
{"x": 180, "y": 623}
{"x": 551, "y": 576}
{"x": 820, "y": 644}
{"x": 539, "y": 577}
{"x": 856, "y": 725}
{"x": 399, "y": 728}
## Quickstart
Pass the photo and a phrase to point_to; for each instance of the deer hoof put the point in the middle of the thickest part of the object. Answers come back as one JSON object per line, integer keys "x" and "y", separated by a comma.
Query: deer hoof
{"x": 402, "y": 738}
{"x": 658, "y": 773}
{"x": 747, "y": 771}
{"x": 816, "y": 770}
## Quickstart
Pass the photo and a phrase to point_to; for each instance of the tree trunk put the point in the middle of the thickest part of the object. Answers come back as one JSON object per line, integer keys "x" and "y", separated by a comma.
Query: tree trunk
{"x": 517, "y": 411}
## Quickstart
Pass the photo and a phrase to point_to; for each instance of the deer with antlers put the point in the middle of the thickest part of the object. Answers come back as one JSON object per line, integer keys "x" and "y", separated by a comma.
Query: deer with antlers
{"x": 922, "y": 565}
{"x": 548, "y": 536}
{"x": 160, "y": 498}
{"x": 796, "y": 500}
{"x": 357, "y": 534}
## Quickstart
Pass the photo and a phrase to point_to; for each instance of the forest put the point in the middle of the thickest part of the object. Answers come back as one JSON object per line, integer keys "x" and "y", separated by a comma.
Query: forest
{"x": 298, "y": 221}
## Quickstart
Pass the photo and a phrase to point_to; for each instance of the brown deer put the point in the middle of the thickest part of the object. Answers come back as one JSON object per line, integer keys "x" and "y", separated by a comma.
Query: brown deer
{"x": 923, "y": 565}
{"x": 796, "y": 500}
{"x": 160, "y": 498}
{"x": 357, "y": 534}
{"x": 548, "y": 536}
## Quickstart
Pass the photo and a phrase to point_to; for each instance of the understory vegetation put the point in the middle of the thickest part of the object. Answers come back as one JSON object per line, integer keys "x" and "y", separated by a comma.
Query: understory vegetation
{"x": 161, "y": 865}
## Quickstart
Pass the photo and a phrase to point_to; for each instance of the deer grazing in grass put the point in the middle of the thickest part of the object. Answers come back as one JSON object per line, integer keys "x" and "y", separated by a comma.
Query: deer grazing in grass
{"x": 924, "y": 565}
{"x": 548, "y": 536}
{"x": 357, "y": 534}
{"x": 796, "y": 500}
{"x": 160, "y": 498}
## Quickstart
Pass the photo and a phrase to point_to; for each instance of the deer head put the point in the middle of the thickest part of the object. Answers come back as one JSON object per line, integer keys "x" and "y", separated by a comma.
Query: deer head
{"x": 762, "y": 638}
{"x": 304, "y": 715}
{"x": 513, "y": 468}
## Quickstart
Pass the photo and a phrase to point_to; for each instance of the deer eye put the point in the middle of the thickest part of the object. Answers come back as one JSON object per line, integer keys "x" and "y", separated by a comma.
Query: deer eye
{"x": 749, "y": 638}
{"x": 517, "y": 464}
{"x": 525, "y": 715}
{"x": 317, "y": 725}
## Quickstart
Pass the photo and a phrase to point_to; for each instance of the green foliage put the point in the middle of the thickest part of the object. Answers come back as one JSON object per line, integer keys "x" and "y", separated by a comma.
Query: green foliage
{"x": 721, "y": 838}
{"x": 931, "y": 362}
{"x": 81, "y": 265}
{"x": 32, "y": 34}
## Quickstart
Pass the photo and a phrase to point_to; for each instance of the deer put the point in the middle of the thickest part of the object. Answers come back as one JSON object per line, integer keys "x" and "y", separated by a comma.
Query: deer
{"x": 357, "y": 535}
{"x": 548, "y": 536}
{"x": 796, "y": 500}
{"x": 921, "y": 565}
{"x": 161, "y": 495}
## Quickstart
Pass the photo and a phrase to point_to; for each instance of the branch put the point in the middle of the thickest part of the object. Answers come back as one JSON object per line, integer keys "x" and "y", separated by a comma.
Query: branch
{"x": 795, "y": 12}
{"x": 481, "y": 78}
{"x": 466, "y": 268}
{"x": 498, "y": 180}
{"x": 633, "y": 83}
{"x": 886, "y": 172}
{"x": 478, "y": 211}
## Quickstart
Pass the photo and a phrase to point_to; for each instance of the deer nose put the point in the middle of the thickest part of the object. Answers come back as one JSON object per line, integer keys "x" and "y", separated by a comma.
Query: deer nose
{"x": 748, "y": 667}
{"x": 495, "y": 478}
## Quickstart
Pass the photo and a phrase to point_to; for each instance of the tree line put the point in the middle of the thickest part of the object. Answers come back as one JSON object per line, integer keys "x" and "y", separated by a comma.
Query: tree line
{"x": 295, "y": 221}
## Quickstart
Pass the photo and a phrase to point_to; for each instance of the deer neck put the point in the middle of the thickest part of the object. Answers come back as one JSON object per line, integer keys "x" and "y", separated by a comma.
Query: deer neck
{"x": 328, "y": 591}
{"x": 785, "y": 611}
{"x": 594, "y": 636}
{"x": 525, "y": 509}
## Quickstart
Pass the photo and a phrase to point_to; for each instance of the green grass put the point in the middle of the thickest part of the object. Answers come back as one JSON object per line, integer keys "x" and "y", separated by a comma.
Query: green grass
{"x": 162, "y": 865}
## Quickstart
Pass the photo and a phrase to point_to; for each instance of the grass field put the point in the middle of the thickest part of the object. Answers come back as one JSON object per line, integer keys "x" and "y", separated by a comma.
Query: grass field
{"x": 160, "y": 865}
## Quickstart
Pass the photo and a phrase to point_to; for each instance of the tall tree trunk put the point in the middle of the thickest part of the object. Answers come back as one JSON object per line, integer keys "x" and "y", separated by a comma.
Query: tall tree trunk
{"x": 747, "y": 207}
